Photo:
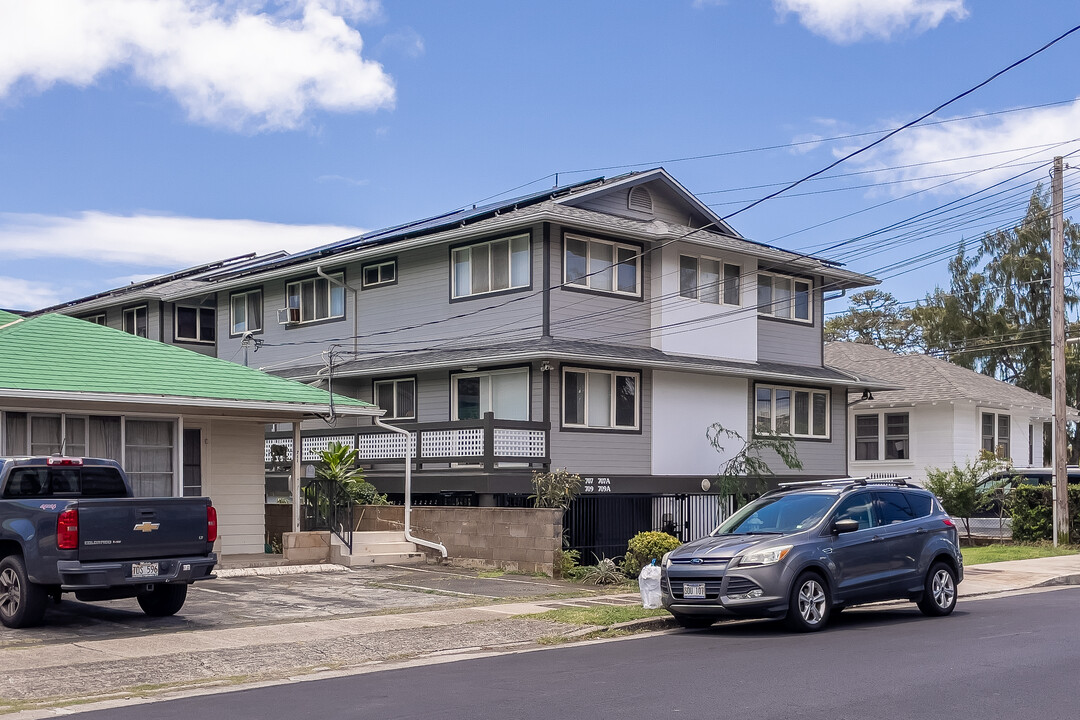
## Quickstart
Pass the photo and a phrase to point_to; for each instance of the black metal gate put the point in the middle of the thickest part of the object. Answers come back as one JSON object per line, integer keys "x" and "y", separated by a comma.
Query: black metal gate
{"x": 326, "y": 506}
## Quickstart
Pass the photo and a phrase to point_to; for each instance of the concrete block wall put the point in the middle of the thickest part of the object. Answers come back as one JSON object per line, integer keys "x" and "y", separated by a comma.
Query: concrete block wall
{"x": 301, "y": 548}
{"x": 515, "y": 539}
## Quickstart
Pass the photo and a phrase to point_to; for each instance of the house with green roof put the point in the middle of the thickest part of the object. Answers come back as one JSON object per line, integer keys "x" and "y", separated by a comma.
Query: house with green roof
{"x": 179, "y": 422}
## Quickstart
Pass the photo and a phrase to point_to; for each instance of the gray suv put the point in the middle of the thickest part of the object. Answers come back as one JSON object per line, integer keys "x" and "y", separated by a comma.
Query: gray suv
{"x": 806, "y": 550}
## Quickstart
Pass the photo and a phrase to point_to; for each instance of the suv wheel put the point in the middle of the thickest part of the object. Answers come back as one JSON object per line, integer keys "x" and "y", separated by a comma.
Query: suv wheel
{"x": 939, "y": 592}
{"x": 22, "y": 603}
{"x": 809, "y": 604}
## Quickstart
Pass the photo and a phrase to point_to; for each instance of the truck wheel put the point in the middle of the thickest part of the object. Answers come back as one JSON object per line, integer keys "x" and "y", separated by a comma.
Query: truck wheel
{"x": 163, "y": 600}
{"x": 22, "y": 603}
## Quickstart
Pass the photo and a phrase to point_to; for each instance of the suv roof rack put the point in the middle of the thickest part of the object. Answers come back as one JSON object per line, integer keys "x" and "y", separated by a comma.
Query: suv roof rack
{"x": 843, "y": 483}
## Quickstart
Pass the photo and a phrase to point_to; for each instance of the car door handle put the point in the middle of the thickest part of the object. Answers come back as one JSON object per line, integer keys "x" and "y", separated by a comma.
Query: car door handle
{"x": 877, "y": 538}
{"x": 920, "y": 531}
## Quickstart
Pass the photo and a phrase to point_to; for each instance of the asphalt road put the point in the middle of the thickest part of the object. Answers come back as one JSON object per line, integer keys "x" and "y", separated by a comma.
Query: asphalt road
{"x": 1003, "y": 658}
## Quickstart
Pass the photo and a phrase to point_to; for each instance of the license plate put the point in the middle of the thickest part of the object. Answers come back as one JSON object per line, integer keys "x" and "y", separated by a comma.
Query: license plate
{"x": 144, "y": 569}
{"x": 693, "y": 590}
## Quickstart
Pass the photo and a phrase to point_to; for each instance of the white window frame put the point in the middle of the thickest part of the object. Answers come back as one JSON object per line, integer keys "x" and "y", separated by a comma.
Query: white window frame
{"x": 769, "y": 309}
{"x": 463, "y": 254}
{"x": 792, "y": 389}
{"x": 96, "y": 318}
{"x": 1006, "y": 454}
{"x": 721, "y": 288}
{"x": 612, "y": 376}
{"x": 199, "y": 330}
{"x": 882, "y": 438}
{"x": 337, "y": 280}
{"x": 378, "y": 267}
{"x": 233, "y": 332}
{"x": 587, "y": 281}
{"x": 395, "y": 412}
{"x": 133, "y": 313}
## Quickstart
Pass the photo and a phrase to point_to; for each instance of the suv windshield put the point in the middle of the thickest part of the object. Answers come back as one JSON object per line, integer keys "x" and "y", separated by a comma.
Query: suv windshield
{"x": 777, "y": 515}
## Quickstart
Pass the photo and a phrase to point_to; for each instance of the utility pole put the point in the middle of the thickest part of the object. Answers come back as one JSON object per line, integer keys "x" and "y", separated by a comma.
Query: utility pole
{"x": 1057, "y": 364}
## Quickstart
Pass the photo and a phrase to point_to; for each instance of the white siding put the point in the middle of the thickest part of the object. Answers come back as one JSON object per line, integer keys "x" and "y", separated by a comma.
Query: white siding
{"x": 684, "y": 406}
{"x": 236, "y": 485}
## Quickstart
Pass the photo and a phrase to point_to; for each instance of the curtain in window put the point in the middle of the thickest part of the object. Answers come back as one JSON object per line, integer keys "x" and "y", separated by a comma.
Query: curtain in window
{"x": 510, "y": 396}
{"x": 15, "y": 432}
{"x": 105, "y": 437}
{"x": 149, "y": 457}
{"x": 44, "y": 434}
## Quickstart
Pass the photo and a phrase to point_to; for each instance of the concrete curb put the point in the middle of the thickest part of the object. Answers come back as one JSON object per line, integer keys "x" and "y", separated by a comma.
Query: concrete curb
{"x": 280, "y": 570}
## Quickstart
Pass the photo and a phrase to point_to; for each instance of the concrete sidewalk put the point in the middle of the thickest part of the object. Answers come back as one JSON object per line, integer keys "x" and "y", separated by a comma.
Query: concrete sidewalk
{"x": 150, "y": 665}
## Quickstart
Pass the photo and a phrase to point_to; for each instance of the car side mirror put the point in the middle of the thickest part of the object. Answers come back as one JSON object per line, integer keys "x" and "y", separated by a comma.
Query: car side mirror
{"x": 845, "y": 526}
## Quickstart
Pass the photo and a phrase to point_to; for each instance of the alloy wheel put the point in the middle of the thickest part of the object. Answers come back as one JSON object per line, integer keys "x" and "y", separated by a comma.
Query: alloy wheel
{"x": 942, "y": 588}
{"x": 812, "y": 602}
{"x": 10, "y": 592}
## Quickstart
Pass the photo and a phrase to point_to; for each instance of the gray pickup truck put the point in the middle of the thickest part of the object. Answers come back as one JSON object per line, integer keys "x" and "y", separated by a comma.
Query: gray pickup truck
{"x": 74, "y": 525}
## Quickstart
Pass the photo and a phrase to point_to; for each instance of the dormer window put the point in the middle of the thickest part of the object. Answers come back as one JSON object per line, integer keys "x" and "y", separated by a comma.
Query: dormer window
{"x": 640, "y": 199}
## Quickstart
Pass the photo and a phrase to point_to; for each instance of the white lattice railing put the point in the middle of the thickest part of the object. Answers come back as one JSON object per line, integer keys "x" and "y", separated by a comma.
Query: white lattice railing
{"x": 441, "y": 444}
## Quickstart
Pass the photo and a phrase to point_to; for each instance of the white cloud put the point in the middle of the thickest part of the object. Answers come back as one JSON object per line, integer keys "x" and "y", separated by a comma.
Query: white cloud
{"x": 26, "y": 294}
{"x": 235, "y": 64}
{"x": 1003, "y": 140}
{"x": 151, "y": 241}
{"x": 847, "y": 21}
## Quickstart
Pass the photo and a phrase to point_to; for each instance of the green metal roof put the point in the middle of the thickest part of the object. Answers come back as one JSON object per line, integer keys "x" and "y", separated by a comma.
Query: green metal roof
{"x": 58, "y": 353}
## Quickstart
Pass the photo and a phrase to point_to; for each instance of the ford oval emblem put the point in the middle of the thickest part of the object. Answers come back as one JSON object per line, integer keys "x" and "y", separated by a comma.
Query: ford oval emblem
{"x": 697, "y": 561}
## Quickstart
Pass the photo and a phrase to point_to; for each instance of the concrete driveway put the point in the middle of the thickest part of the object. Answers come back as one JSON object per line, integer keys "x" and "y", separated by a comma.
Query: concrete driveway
{"x": 269, "y": 599}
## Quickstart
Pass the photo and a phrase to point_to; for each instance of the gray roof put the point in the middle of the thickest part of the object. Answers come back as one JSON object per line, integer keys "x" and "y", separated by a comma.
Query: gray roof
{"x": 928, "y": 379}
{"x": 570, "y": 351}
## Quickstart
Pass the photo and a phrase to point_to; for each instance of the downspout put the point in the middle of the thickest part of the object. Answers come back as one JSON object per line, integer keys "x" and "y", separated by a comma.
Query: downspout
{"x": 408, "y": 489}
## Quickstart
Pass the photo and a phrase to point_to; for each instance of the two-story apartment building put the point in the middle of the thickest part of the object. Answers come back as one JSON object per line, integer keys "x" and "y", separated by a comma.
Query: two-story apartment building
{"x": 601, "y": 327}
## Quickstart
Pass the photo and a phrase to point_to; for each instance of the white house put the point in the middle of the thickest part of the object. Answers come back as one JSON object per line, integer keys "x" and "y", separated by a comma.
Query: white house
{"x": 943, "y": 414}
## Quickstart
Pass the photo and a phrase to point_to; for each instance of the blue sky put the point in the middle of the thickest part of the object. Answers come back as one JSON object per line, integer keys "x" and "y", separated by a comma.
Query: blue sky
{"x": 141, "y": 137}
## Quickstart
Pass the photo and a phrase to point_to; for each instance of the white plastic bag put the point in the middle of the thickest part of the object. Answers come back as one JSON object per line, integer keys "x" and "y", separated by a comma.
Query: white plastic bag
{"x": 649, "y": 583}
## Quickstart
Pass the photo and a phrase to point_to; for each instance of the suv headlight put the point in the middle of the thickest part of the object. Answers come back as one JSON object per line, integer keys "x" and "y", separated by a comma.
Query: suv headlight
{"x": 665, "y": 562}
{"x": 764, "y": 557}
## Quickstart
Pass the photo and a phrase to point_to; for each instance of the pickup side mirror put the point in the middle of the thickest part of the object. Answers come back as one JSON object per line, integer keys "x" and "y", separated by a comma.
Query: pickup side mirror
{"x": 845, "y": 526}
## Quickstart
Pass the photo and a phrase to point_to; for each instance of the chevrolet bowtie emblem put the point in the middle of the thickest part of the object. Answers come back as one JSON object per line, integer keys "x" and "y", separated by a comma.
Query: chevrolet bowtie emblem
{"x": 146, "y": 526}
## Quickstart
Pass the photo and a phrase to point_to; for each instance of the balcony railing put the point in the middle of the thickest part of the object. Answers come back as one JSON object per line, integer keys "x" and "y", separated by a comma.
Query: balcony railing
{"x": 487, "y": 443}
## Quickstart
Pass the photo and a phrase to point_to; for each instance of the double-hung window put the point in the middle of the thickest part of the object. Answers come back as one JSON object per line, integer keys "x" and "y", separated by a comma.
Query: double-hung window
{"x": 245, "y": 312}
{"x": 995, "y": 434}
{"x": 98, "y": 319}
{"x": 397, "y": 397}
{"x": 602, "y": 399}
{"x": 379, "y": 273}
{"x": 135, "y": 320}
{"x": 795, "y": 411}
{"x": 871, "y": 444}
{"x": 490, "y": 267}
{"x": 785, "y": 297}
{"x": 317, "y": 298}
{"x": 602, "y": 265}
{"x": 700, "y": 279}
{"x": 195, "y": 324}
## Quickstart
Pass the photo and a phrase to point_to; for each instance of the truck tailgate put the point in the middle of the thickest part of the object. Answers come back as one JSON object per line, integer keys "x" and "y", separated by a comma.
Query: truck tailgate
{"x": 135, "y": 528}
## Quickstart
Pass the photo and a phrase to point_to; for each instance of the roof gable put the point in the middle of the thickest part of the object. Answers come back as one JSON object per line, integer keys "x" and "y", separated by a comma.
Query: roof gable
{"x": 58, "y": 353}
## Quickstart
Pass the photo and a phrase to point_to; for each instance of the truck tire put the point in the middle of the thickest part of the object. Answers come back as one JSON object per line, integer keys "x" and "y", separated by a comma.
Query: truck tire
{"x": 22, "y": 603}
{"x": 163, "y": 600}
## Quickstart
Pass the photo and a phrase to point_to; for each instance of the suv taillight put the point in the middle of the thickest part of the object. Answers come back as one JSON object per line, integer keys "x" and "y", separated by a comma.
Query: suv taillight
{"x": 211, "y": 523}
{"x": 67, "y": 530}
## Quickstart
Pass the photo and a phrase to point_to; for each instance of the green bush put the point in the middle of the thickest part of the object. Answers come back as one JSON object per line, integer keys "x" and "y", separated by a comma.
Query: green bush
{"x": 604, "y": 572}
{"x": 1030, "y": 507}
{"x": 644, "y": 548}
{"x": 567, "y": 565}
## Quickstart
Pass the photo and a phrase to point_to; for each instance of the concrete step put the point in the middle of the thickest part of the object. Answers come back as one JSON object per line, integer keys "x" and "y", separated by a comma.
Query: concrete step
{"x": 370, "y": 548}
{"x": 373, "y": 537}
{"x": 392, "y": 558}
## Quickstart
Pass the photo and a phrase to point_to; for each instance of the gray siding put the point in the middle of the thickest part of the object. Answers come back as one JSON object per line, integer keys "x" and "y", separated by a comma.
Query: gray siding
{"x": 420, "y": 297}
{"x": 603, "y": 453}
{"x": 820, "y": 457}
{"x": 667, "y": 206}
{"x": 584, "y": 315}
{"x": 792, "y": 342}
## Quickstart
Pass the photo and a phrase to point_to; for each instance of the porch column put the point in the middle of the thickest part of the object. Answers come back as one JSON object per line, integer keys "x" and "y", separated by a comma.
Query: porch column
{"x": 297, "y": 451}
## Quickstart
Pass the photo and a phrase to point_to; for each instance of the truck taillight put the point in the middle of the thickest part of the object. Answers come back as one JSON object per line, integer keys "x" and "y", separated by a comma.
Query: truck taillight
{"x": 67, "y": 530}
{"x": 211, "y": 523}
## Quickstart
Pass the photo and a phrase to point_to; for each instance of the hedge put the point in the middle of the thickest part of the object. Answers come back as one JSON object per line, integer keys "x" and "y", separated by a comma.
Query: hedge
{"x": 1030, "y": 507}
